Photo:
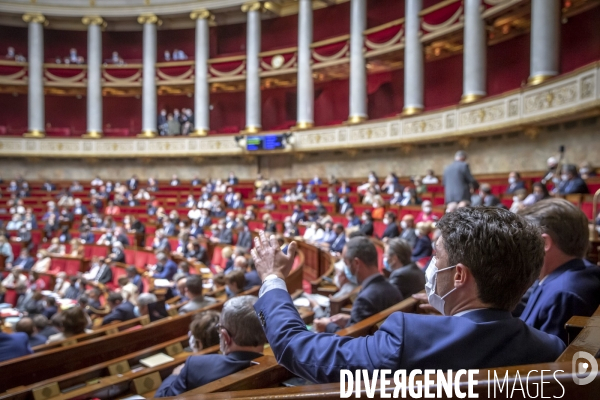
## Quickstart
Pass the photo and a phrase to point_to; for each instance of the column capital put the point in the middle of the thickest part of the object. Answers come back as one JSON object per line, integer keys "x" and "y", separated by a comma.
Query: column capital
{"x": 35, "y": 18}
{"x": 253, "y": 6}
{"x": 93, "y": 20}
{"x": 149, "y": 19}
{"x": 202, "y": 14}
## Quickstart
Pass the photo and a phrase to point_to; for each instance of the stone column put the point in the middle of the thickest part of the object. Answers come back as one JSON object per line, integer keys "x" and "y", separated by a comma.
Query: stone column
{"x": 149, "y": 106}
{"x": 474, "y": 57}
{"x": 413, "y": 59}
{"x": 253, "y": 97}
{"x": 358, "y": 72}
{"x": 305, "y": 117}
{"x": 94, "y": 77}
{"x": 201, "y": 86}
{"x": 36, "y": 123}
{"x": 545, "y": 38}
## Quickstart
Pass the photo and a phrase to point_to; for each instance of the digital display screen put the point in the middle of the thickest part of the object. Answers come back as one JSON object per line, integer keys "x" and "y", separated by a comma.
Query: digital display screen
{"x": 265, "y": 142}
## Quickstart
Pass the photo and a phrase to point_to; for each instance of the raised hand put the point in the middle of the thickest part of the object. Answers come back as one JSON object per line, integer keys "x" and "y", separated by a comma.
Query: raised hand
{"x": 269, "y": 259}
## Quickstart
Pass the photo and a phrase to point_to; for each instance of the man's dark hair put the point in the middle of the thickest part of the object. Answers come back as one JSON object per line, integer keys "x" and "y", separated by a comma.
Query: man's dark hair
{"x": 570, "y": 169}
{"x": 50, "y": 301}
{"x": 566, "y": 224}
{"x": 391, "y": 216}
{"x": 25, "y": 325}
{"x": 236, "y": 276}
{"x": 193, "y": 284}
{"x": 355, "y": 234}
{"x": 401, "y": 248}
{"x": 74, "y": 321}
{"x": 40, "y": 321}
{"x": 204, "y": 328}
{"x": 56, "y": 320}
{"x": 115, "y": 297}
{"x": 363, "y": 249}
{"x": 503, "y": 251}
{"x": 131, "y": 270}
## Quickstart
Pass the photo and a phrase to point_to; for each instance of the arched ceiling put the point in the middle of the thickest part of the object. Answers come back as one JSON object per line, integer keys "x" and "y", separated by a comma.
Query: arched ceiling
{"x": 121, "y": 15}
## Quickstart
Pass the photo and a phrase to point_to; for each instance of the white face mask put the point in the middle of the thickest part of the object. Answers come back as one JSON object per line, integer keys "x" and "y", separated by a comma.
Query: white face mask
{"x": 511, "y": 180}
{"x": 435, "y": 299}
{"x": 192, "y": 342}
{"x": 564, "y": 177}
{"x": 426, "y": 210}
{"x": 386, "y": 221}
{"x": 403, "y": 224}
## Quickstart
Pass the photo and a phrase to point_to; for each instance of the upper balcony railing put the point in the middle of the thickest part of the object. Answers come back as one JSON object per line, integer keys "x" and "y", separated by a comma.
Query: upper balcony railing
{"x": 442, "y": 19}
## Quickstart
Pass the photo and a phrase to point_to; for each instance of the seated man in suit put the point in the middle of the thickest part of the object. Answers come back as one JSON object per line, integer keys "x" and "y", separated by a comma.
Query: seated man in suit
{"x": 14, "y": 345}
{"x": 376, "y": 294}
{"x": 340, "y": 239}
{"x": 235, "y": 282}
{"x": 104, "y": 274}
{"x": 26, "y": 326}
{"x": 165, "y": 267}
{"x": 24, "y": 261}
{"x": 404, "y": 274}
{"x": 408, "y": 230}
{"x": 486, "y": 258}
{"x": 422, "y": 247}
{"x": 244, "y": 239}
{"x": 514, "y": 182}
{"x": 567, "y": 285}
{"x": 391, "y": 227}
{"x": 193, "y": 291}
{"x": 571, "y": 182}
{"x": 120, "y": 310}
{"x": 241, "y": 339}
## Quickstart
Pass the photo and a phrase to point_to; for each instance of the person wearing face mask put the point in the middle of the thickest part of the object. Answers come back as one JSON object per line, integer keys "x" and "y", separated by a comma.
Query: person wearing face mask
{"x": 514, "y": 182}
{"x": 376, "y": 294}
{"x": 571, "y": 182}
{"x": 241, "y": 340}
{"x": 586, "y": 170}
{"x": 344, "y": 204}
{"x": 486, "y": 258}
{"x": 43, "y": 262}
{"x": 203, "y": 333}
{"x": 143, "y": 300}
{"x": 426, "y": 214}
{"x": 423, "y": 247}
{"x": 408, "y": 229}
{"x": 366, "y": 226}
{"x": 404, "y": 274}
{"x": 391, "y": 227}
{"x": 540, "y": 192}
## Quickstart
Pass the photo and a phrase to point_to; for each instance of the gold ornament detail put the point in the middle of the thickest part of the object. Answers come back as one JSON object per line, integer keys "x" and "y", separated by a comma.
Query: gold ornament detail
{"x": 253, "y": 6}
{"x": 34, "y": 18}
{"x": 148, "y": 19}
{"x": 93, "y": 20}
{"x": 202, "y": 14}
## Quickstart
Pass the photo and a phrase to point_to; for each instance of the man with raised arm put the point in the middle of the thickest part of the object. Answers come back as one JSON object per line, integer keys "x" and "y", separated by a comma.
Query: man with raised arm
{"x": 486, "y": 259}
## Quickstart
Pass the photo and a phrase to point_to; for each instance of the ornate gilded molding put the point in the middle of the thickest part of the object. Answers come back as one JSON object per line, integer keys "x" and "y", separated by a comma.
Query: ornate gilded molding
{"x": 148, "y": 19}
{"x": 202, "y": 14}
{"x": 567, "y": 97}
{"x": 93, "y": 20}
{"x": 253, "y": 6}
{"x": 34, "y": 18}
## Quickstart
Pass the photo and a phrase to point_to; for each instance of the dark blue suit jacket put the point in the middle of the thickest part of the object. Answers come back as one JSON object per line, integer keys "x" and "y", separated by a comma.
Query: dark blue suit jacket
{"x": 339, "y": 243}
{"x": 203, "y": 369}
{"x": 422, "y": 248}
{"x": 24, "y": 263}
{"x": 391, "y": 231}
{"x": 573, "y": 186}
{"x": 252, "y": 279}
{"x": 572, "y": 289}
{"x": 515, "y": 186}
{"x": 13, "y": 345}
{"x": 122, "y": 312}
{"x": 37, "y": 340}
{"x": 169, "y": 270}
{"x": 479, "y": 339}
{"x": 376, "y": 295}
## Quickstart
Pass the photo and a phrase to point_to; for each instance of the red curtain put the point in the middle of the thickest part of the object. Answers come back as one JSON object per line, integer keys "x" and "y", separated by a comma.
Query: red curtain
{"x": 443, "y": 82}
{"x": 170, "y": 102}
{"x": 381, "y": 11}
{"x": 507, "y": 65}
{"x": 123, "y": 112}
{"x": 56, "y": 43}
{"x": 15, "y": 37}
{"x": 580, "y": 39}
{"x": 331, "y": 102}
{"x": 14, "y": 113}
{"x": 181, "y": 39}
{"x": 66, "y": 112}
{"x": 127, "y": 44}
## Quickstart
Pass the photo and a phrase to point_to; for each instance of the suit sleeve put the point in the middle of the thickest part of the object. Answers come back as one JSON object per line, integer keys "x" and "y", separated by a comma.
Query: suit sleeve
{"x": 361, "y": 309}
{"x": 470, "y": 179}
{"x": 565, "y": 306}
{"x": 319, "y": 357}
{"x": 174, "y": 384}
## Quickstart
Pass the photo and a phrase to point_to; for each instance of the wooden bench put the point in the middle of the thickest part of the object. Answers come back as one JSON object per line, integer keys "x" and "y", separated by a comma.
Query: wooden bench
{"x": 45, "y": 365}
